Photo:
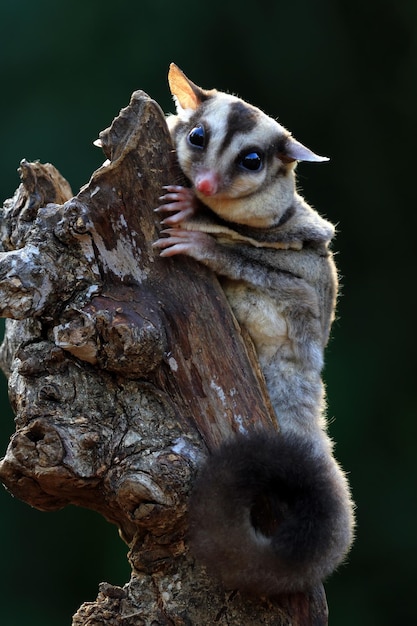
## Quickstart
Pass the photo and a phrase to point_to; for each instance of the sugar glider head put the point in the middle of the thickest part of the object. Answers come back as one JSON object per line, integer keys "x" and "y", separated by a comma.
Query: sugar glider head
{"x": 239, "y": 161}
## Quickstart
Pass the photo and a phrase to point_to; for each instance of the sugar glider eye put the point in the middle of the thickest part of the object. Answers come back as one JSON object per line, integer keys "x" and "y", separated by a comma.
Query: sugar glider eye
{"x": 251, "y": 160}
{"x": 197, "y": 137}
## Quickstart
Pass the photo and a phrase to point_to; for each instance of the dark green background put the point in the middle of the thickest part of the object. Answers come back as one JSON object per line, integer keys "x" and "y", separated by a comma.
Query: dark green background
{"x": 341, "y": 75}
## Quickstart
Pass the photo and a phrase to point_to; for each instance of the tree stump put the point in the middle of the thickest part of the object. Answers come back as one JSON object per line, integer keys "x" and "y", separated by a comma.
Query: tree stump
{"x": 125, "y": 370}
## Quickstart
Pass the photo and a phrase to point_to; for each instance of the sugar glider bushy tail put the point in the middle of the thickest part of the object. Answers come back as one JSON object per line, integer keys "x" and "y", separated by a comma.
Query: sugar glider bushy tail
{"x": 268, "y": 515}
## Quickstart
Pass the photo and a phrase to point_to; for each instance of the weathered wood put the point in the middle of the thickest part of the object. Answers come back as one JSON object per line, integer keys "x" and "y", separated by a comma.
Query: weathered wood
{"x": 124, "y": 370}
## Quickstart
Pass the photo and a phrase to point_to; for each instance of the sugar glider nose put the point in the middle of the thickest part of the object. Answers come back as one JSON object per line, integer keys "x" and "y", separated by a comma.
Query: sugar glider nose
{"x": 207, "y": 183}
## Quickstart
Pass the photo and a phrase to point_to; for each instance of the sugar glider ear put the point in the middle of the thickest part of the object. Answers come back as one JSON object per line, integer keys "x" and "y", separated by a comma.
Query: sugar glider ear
{"x": 186, "y": 94}
{"x": 295, "y": 151}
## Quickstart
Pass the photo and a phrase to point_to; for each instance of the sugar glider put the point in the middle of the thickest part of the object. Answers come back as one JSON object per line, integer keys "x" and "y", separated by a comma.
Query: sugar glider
{"x": 268, "y": 514}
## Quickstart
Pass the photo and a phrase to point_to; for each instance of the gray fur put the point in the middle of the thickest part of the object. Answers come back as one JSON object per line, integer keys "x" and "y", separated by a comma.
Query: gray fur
{"x": 271, "y": 252}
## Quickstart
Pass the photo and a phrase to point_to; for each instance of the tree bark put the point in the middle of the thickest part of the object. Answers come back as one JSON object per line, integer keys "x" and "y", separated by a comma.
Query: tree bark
{"x": 125, "y": 369}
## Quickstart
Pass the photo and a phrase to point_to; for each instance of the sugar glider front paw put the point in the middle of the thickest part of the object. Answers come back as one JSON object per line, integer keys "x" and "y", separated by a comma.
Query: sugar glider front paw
{"x": 192, "y": 243}
{"x": 180, "y": 201}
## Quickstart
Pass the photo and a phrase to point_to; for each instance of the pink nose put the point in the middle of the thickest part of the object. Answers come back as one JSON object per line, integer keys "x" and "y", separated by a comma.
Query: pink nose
{"x": 206, "y": 184}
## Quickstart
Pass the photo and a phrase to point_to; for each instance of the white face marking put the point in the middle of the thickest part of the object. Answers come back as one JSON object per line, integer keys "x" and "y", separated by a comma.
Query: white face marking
{"x": 221, "y": 159}
{"x": 253, "y": 197}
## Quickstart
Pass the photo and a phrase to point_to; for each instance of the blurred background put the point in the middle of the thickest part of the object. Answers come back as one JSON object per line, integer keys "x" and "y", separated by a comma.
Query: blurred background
{"x": 341, "y": 75}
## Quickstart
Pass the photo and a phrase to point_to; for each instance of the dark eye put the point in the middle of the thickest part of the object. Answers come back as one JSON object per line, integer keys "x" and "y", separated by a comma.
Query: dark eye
{"x": 251, "y": 161}
{"x": 197, "y": 137}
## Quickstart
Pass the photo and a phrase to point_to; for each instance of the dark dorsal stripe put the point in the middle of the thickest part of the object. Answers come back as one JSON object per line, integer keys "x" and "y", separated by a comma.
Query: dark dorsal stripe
{"x": 241, "y": 119}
